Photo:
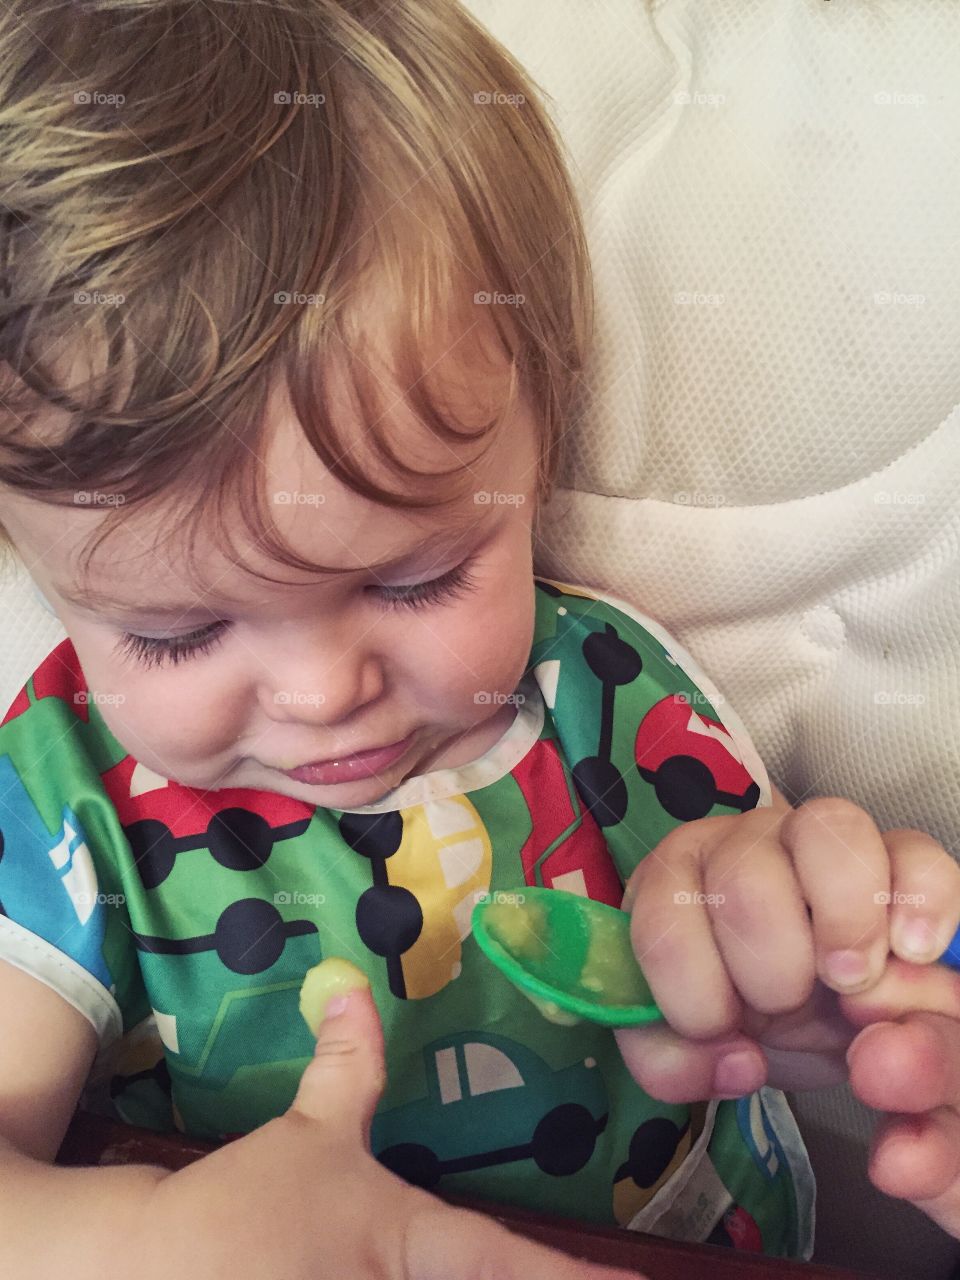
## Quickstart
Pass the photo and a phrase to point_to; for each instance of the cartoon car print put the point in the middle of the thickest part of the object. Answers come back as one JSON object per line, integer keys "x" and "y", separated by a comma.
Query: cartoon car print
{"x": 691, "y": 761}
{"x": 428, "y": 864}
{"x": 492, "y": 1101}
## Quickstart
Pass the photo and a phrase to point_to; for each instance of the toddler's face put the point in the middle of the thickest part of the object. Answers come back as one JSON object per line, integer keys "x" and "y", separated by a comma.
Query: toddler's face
{"x": 265, "y": 677}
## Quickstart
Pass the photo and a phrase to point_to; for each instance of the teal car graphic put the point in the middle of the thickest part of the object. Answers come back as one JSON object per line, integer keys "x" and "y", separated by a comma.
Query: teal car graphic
{"x": 491, "y": 1101}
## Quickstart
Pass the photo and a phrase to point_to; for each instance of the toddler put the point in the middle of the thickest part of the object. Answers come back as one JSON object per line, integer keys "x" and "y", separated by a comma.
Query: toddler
{"x": 296, "y": 301}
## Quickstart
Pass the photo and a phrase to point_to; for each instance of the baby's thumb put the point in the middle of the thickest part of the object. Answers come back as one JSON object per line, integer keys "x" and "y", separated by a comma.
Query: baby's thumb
{"x": 342, "y": 1084}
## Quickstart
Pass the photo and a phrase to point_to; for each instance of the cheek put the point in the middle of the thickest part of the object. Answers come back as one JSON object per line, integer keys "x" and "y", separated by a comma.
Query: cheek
{"x": 171, "y": 714}
{"x": 483, "y": 645}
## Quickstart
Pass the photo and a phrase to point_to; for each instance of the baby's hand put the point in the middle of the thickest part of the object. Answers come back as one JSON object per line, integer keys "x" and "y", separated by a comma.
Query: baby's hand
{"x": 302, "y": 1196}
{"x": 751, "y": 929}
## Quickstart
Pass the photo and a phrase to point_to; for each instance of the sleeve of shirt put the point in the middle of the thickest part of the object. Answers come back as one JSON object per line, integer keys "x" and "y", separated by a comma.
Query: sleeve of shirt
{"x": 651, "y": 741}
{"x": 63, "y": 917}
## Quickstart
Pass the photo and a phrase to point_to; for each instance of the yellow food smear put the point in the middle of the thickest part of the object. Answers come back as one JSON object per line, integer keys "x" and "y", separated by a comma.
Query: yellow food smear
{"x": 610, "y": 970}
{"x": 325, "y": 980}
{"x": 519, "y": 927}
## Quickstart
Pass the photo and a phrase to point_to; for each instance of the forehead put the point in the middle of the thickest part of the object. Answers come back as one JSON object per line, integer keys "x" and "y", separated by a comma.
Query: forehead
{"x": 316, "y": 517}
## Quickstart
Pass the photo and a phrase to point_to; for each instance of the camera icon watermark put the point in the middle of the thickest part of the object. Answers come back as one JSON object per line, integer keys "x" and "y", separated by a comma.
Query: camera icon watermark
{"x": 296, "y": 898}
{"x": 686, "y": 898}
{"x": 295, "y": 498}
{"x": 294, "y": 98}
{"x": 94, "y": 498}
{"x": 88, "y": 698}
{"x": 288, "y": 297}
{"x": 500, "y": 896}
{"x": 484, "y": 298}
{"x": 297, "y": 698}
{"x": 493, "y": 98}
{"x": 497, "y": 498}
{"x": 85, "y": 899}
{"x": 88, "y": 98}
{"x": 897, "y": 899}
{"x": 494, "y": 698}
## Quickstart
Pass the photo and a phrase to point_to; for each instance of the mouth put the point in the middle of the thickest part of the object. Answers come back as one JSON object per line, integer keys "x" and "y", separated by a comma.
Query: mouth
{"x": 348, "y": 768}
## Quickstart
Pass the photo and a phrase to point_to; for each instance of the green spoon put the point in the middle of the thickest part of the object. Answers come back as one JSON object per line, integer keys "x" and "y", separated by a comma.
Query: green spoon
{"x": 572, "y": 956}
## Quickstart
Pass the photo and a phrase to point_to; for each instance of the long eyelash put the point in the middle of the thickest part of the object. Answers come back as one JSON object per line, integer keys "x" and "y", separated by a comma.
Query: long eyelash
{"x": 152, "y": 652}
{"x": 455, "y": 582}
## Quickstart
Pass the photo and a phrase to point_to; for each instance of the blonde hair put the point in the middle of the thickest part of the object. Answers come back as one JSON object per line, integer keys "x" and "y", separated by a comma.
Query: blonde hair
{"x": 197, "y": 161}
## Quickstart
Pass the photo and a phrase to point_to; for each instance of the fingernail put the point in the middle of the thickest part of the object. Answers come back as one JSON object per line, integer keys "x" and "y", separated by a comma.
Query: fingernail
{"x": 737, "y": 1074}
{"x": 848, "y": 970}
{"x": 914, "y": 937}
{"x": 336, "y": 1005}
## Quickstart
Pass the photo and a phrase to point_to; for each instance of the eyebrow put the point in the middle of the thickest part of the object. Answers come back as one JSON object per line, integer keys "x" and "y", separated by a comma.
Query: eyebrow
{"x": 93, "y": 600}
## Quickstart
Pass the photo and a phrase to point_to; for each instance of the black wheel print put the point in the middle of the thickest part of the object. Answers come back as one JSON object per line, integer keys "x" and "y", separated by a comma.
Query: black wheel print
{"x": 685, "y": 788}
{"x": 412, "y": 1162}
{"x": 603, "y": 789}
{"x": 564, "y": 1139}
{"x": 240, "y": 840}
{"x": 612, "y": 660}
{"x": 154, "y": 850}
{"x": 250, "y": 935}
{"x": 652, "y": 1147}
{"x": 374, "y": 835}
{"x": 389, "y": 919}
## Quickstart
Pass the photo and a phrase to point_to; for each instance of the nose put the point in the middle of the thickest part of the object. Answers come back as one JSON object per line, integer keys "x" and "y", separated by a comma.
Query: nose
{"x": 320, "y": 679}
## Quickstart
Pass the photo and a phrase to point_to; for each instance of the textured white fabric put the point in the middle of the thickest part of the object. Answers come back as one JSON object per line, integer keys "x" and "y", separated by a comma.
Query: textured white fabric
{"x": 769, "y": 460}
{"x": 769, "y": 467}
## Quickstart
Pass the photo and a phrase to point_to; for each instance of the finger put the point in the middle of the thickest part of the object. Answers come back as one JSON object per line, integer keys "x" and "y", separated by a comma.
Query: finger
{"x": 917, "y": 1158}
{"x": 909, "y": 1066}
{"x": 343, "y": 1082}
{"x": 924, "y": 907}
{"x": 843, "y": 867}
{"x": 673, "y": 1069}
{"x": 759, "y": 917}
{"x": 456, "y": 1244}
{"x": 904, "y": 988}
{"x": 673, "y": 938}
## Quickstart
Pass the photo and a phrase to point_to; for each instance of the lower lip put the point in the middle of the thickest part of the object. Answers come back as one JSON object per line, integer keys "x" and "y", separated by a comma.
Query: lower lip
{"x": 365, "y": 765}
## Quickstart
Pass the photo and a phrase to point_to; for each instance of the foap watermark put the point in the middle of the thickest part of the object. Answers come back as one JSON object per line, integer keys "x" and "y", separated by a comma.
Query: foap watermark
{"x": 95, "y": 498}
{"x": 298, "y": 698}
{"x": 493, "y": 698}
{"x": 698, "y": 98}
{"x": 898, "y": 698}
{"x": 891, "y": 298}
{"x": 290, "y": 297}
{"x": 697, "y": 498}
{"x": 294, "y": 98}
{"x": 686, "y": 898}
{"x": 487, "y": 298}
{"x": 85, "y": 899}
{"x": 898, "y": 98}
{"x": 493, "y": 98}
{"x": 691, "y": 298}
{"x": 297, "y": 898}
{"x": 699, "y": 699}
{"x": 89, "y": 697}
{"x": 898, "y": 899}
{"x": 93, "y": 98}
{"x": 294, "y": 498}
{"x": 494, "y": 498}
{"x": 95, "y": 298}
{"x": 499, "y": 895}
{"x": 898, "y": 498}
